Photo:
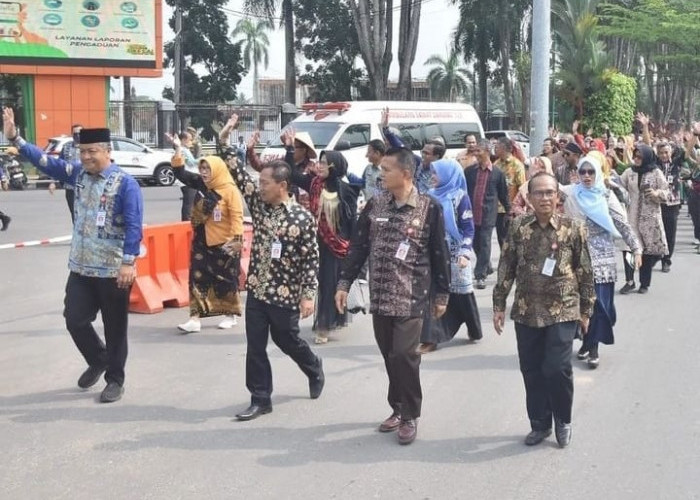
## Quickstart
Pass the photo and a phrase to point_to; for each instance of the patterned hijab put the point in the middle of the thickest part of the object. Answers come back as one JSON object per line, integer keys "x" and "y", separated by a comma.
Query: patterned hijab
{"x": 592, "y": 200}
{"x": 451, "y": 185}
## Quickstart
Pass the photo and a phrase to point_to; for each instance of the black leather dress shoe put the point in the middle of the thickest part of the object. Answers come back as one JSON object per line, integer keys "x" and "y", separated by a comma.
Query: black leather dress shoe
{"x": 316, "y": 383}
{"x": 91, "y": 376}
{"x": 253, "y": 411}
{"x": 536, "y": 437}
{"x": 562, "y": 432}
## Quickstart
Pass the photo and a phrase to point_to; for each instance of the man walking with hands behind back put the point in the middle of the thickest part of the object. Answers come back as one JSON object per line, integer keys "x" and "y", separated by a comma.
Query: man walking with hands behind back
{"x": 106, "y": 239}
{"x": 547, "y": 255}
{"x": 403, "y": 232}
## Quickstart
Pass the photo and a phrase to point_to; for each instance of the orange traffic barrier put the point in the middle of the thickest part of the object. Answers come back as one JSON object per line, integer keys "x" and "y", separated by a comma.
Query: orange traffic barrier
{"x": 245, "y": 255}
{"x": 163, "y": 272}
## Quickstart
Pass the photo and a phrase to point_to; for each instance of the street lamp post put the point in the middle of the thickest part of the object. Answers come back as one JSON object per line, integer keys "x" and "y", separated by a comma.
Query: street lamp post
{"x": 539, "y": 86}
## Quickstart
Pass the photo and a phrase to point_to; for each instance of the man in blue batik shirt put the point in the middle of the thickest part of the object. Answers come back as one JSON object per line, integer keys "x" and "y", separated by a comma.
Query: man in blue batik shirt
{"x": 106, "y": 240}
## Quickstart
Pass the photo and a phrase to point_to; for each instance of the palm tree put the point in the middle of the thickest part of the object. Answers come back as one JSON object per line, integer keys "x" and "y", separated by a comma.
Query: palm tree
{"x": 255, "y": 43}
{"x": 582, "y": 56}
{"x": 448, "y": 80}
{"x": 268, "y": 9}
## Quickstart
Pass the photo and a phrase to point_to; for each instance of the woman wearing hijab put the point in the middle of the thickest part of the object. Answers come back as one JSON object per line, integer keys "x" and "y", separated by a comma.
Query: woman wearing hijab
{"x": 590, "y": 201}
{"x": 521, "y": 205}
{"x": 450, "y": 189}
{"x": 217, "y": 238}
{"x": 647, "y": 189}
{"x": 333, "y": 202}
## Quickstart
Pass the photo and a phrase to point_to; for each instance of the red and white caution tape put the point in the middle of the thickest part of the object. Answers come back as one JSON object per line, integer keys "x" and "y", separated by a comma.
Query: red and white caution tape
{"x": 48, "y": 241}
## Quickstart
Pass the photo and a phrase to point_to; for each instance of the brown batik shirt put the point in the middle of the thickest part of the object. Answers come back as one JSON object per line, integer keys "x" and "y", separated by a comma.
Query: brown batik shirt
{"x": 400, "y": 287}
{"x": 542, "y": 300}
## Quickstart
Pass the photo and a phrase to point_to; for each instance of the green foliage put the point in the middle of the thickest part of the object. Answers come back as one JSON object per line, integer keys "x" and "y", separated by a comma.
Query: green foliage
{"x": 255, "y": 41}
{"x": 325, "y": 34}
{"x": 448, "y": 80}
{"x": 668, "y": 30}
{"x": 582, "y": 56}
{"x": 206, "y": 44}
{"x": 613, "y": 105}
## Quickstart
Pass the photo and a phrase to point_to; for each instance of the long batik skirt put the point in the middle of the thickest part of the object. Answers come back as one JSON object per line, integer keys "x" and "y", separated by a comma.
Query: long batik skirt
{"x": 213, "y": 279}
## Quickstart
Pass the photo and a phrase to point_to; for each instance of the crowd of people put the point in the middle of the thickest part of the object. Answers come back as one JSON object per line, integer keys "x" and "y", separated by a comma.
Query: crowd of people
{"x": 418, "y": 228}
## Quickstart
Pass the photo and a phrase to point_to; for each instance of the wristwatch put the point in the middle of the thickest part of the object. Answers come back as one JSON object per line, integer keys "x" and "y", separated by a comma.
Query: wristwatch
{"x": 128, "y": 260}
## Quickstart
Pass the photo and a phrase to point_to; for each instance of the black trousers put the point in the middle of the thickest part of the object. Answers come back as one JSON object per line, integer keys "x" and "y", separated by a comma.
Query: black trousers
{"x": 648, "y": 263}
{"x": 188, "y": 195}
{"x": 669, "y": 215}
{"x": 263, "y": 320}
{"x": 84, "y": 298}
{"x": 694, "y": 211}
{"x": 545, "y": 362}
{"x": 482, "y": 249}
{"x": 397, "y": 339}
{"x": 70, "y": 201}
{"x": 501, "y": 228}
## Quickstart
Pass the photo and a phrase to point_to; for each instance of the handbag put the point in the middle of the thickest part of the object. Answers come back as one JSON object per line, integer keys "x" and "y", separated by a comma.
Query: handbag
{"x": 358, "y": 297}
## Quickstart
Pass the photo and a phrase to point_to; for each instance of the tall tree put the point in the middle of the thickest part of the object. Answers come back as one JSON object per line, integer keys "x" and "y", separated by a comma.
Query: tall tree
{"x": 490, "y": 33}
{"x": 582, "y": 56}
{"x": 207, "y": 46}
{"x": 255, "y": 42}
{"x": 473, "y": 37}
{"x": 409, "y": 27}
{"x": 326, "y": 36}
{"x": 448, "y": 80}
{"x": 268, "y": 8}
{"x": 665, "y": 36}
{"x": 373, "y": 20}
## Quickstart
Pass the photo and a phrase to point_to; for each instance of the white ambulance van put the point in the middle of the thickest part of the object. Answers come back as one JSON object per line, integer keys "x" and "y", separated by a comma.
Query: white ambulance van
{"x": 349, "y": 126}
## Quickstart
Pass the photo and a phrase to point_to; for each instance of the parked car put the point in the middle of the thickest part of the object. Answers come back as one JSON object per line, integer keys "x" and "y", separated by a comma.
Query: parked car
{"x": 145, "y": 164}
{"x": 514, "y": 135}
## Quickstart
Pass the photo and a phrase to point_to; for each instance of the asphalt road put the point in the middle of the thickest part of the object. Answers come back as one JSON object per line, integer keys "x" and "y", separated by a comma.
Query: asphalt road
{"x": 636, "y": 419}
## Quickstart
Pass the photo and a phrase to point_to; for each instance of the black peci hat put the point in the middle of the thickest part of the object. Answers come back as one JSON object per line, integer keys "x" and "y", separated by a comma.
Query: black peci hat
{"x": 94, "y": 135}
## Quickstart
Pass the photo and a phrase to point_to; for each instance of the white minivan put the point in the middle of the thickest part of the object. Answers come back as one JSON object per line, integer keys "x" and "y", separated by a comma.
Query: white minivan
{"x": 349, "y": 126}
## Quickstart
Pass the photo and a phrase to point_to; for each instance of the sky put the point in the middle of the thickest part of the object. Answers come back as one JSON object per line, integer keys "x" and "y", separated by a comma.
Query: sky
{"x": 438, "y": 20}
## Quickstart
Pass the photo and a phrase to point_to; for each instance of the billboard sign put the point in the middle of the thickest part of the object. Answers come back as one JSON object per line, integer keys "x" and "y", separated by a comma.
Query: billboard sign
{"x": 88, "y": 33}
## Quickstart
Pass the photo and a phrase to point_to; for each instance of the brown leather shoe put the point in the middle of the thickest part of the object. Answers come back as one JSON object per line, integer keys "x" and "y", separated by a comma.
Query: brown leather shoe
{"x": 425, "y": 348}
{"x": 391, "y": 423}
{"x": 408, "y": 429}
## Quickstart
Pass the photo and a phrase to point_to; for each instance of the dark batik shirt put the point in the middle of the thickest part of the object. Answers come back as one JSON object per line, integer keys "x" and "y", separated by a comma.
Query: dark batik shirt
{"x": 400, "y": 288}
{"x": 284, "y": 281}
{"x": 542, "y": 300}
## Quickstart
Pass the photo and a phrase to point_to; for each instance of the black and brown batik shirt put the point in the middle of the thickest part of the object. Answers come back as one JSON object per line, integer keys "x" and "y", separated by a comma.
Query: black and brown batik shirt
{"x": 280, "y": 281}
{"x": 541, "y": 300}
{"x": 400, "y": 284}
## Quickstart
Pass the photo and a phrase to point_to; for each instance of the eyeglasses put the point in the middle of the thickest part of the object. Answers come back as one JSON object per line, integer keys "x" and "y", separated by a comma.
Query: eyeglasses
{"x": 549, "y": 194}
{"x": 587, "y": 171}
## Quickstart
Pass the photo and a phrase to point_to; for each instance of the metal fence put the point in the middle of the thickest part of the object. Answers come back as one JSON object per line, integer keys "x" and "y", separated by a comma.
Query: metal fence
{"x": 149, "y": 121}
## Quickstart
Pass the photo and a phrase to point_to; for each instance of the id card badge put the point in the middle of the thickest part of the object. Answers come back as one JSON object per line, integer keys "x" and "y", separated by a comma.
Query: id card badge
{"x": 101, "y": 218}
{"x": 217, "y": 215}
{"x": 402, "y": 252}
{"x": 548, "y": 268}
{"x": 276, "y": 250}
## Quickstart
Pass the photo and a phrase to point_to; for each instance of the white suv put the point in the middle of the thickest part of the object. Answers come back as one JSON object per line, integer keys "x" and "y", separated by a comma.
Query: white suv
{"x": 138, "y": 160}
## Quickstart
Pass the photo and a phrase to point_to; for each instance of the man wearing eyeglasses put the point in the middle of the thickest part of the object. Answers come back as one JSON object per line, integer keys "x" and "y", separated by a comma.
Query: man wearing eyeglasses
{"x": 546, "y": 253}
